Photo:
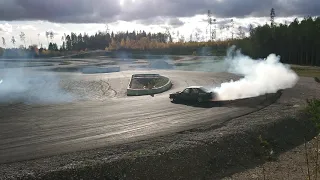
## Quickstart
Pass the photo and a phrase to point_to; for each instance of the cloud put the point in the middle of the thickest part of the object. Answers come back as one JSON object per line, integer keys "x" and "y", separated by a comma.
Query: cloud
{"x": 73, "y": 11}
{"x": 102, "y": 11}
{"x": 173, "y": 22}
{"x": 7, "y": 28}
{"x": 27, "y": 27}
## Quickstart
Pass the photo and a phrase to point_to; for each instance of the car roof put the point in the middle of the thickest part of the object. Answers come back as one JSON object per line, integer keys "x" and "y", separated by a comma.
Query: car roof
{"x": 199, "y": 87}
{"x": 195, "y": 87}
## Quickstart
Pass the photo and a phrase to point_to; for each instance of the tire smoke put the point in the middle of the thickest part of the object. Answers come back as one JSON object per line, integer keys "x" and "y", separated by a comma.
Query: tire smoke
{"x": 17, "y": 85}
{"x": 261, "y": 76}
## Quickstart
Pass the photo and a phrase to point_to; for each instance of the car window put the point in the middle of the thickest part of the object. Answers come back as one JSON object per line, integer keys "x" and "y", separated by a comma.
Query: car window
{"x": 201, "y": 91}
{"x": 186, "y": 90}
{"x": 196, "y": 91}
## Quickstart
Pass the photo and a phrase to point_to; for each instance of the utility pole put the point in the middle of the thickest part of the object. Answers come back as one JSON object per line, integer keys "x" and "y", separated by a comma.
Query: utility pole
{"x": 38, "y": 39}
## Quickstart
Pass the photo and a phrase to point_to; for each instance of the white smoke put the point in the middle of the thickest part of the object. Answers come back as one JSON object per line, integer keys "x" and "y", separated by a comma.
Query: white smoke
{"x": 261, "y": 76}
{"x": 19, "y": 85}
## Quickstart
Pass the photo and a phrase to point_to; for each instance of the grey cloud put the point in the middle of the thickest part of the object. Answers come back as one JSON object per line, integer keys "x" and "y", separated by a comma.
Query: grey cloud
{"x": 150, "y": 21}
{"x": 175, "y": 22}
{"x": 65, "y": 11}
{"x": 85, "y": 11}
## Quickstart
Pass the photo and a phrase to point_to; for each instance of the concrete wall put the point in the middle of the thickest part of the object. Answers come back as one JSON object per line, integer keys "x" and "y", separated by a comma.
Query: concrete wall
{"x": 139, "y": 92}
{"x": 93, "y": 69}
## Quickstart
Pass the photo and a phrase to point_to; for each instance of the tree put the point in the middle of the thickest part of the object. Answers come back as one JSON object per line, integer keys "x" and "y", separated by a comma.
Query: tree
{"x": 251, "y": 29}
{"x": 241, "y": 32}
{"x": 296, "y": 43}
{"x": 47, "y": 36}
{"x": 123, "y": 43}
{"x": 4, "y": 41}
{"x": 51, "y": 33}
{"x": 68, "y": 43}
{"x": 23, "y": 38}
{"x": 13, "y": 40}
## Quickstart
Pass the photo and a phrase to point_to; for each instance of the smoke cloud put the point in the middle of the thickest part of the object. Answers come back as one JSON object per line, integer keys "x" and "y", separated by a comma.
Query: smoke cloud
{"x": 20, "y": 85}
{"x": 261, "y": 76}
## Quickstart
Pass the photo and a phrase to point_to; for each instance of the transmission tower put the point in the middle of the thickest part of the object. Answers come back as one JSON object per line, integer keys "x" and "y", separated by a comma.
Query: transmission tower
{"x": 232, "y": 26}
{"x": 209, "y": 24}
{"x": 214, "y": 33}
{"x": 107, "y": 28}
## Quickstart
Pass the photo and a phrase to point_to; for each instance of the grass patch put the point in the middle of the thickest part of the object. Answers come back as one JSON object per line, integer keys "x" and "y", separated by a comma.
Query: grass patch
{"x": 307, "y": 71}
{"x": 312, "y": 110}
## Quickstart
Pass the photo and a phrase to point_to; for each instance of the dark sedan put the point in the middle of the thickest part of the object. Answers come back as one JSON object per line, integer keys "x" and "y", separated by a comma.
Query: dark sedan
{"x": 193, "y": 93}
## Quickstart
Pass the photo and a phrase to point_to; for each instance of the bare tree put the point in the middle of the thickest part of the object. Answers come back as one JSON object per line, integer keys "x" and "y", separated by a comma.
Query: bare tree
{"x": 181, "y": 39}
{"x": 4, "y": 42}
{"x": 197, "y": 34}
{"x": 47, "y": 36}
{"x": 241, "y": 32}
{"x": 51, "y": 35}
{"x": 13, "y": 40}
{"x": 168, "y": 34}
{"x": 23, "y": 38}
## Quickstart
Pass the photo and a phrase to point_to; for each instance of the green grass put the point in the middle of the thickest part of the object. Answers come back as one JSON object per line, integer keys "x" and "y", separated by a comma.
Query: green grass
{"x": 313, "y": 111}
{"x": 307, "y": 71}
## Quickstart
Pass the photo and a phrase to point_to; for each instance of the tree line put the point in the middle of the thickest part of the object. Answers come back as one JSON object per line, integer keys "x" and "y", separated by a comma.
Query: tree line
{"x": 103, "y": 40}
{"x": 296, "y": 43}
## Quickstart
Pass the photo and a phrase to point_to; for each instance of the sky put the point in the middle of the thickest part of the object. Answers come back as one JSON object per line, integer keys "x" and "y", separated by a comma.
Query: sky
{"x": 35, "y": 17}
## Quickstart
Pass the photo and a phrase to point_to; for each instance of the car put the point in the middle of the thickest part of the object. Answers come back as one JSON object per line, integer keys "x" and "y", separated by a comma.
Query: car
{"x": 193, "y": 93}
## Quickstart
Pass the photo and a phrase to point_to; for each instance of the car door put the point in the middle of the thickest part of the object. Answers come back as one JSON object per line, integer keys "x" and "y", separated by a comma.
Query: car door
{"x": 185, "y": 95}
{"x": 194, "y": 94}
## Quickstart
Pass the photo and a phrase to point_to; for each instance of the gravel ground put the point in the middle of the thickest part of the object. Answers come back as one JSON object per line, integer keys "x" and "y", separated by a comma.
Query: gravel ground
{"x": 230, "y": 151}
{"x": 292, "y": 164}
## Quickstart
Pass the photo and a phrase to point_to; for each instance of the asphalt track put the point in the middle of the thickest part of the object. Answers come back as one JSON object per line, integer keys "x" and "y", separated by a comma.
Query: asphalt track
{"x": 107, "y": 117}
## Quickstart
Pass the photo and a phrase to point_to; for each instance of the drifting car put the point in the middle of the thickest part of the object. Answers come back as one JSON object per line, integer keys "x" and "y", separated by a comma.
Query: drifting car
{"x": 193, "y": 93}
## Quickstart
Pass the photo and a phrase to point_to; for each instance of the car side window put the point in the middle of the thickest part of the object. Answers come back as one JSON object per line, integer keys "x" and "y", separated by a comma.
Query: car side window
{"x": 201, "y": 91}
{"x": 186, "y": 90}
{"x": 195, "y": 91}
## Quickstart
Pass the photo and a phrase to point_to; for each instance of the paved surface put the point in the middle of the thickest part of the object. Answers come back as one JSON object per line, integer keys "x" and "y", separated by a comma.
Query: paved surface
{"x": 106, "y": 117}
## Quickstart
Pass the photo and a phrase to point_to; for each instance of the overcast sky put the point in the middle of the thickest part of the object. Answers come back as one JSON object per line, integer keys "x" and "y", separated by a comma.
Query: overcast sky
{"x": 186, "y": 16}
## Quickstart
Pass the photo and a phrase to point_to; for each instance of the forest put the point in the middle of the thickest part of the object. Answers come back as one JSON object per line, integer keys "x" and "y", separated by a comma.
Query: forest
{"x": 296, "y": 42}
